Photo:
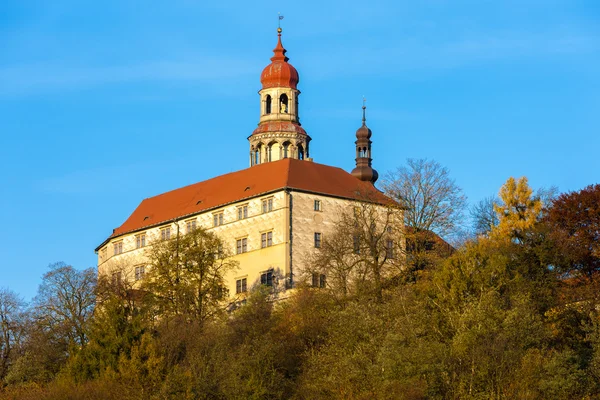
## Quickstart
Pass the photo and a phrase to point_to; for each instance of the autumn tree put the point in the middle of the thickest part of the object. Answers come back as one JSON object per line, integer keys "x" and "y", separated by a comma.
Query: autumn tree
{"x": 518, "y": 210}
{"x": 574, "y": 225}
{"x": 186, "y": 275}
{"x": 485, "y": 217}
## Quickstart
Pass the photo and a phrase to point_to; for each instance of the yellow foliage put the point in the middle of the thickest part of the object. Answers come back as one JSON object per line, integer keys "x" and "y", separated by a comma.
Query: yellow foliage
{"x": 518, "y": 211}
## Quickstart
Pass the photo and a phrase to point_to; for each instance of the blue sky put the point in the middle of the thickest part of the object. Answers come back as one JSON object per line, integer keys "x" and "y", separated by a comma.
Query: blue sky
{"x": 105, "y": 103}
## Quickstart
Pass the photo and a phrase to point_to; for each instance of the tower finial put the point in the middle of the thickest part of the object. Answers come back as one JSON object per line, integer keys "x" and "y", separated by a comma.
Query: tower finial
{"x": 364, "y": 108}
{"x": 279, "y": 18}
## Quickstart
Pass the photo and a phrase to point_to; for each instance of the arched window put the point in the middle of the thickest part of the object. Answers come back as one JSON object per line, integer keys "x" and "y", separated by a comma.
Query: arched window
{"x": 283, "y": 104}
{"x": 270, "y": 152}
{"x": 286, "y": 147}
{"x": 361, "y": 152}
{"x": 257, "y": 154}
{"x": 300, "y": 152}
{"x": 268, "y": 104}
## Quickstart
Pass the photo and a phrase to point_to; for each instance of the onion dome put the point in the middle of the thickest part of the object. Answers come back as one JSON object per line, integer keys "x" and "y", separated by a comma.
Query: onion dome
{"x": 279, "y": 73}
{"x": 365, "y": 173}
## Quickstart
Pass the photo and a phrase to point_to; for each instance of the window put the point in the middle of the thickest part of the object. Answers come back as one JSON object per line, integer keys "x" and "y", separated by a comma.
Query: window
{"x": 266, "y": 278}
{"x": 285, "y": 150}
{"x": 140, "y": 240}
{"x": 190, "y": 226}
{"x": 318, "y": 205}
{"x": 242, "y": 212}
{"x": 218, "y": 219}
{"x": 389, "y": 248}
{"x": 266, "y": 239}
{"x": 318, "y": 240}
{"x": 267, "y": 205}
{"x": 256, "y": 160}
{"x": 165, "y": 233}
{"x": 140, "y": 271}
{"x": 116, "y": 278}
{"x": 318, "y": 280}
{"x": 241, "y": 245}
{"x": 118, "y": 247}
{"x": 283, "y": 104}
{"x": 220, "y": 250}
{"x": 356, "y": 244}
{"x": 268, "y": 105}
{"x": 241, "y": 285}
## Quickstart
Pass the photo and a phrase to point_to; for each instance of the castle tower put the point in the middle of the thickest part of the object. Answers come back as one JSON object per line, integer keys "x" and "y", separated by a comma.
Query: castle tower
{"x": 279, "y": 133}
{"x": 363, "y": 170}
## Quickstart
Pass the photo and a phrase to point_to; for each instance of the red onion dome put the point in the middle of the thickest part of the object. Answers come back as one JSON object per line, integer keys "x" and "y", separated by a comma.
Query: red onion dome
{"x": 279, "y": 73}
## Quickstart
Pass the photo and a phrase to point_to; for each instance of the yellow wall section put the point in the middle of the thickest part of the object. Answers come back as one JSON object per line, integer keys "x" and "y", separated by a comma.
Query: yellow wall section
{"x": 305, "y": 222}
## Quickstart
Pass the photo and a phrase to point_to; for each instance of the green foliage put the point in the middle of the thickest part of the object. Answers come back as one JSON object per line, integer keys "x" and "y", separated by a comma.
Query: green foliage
{"x": 491, "y": 320}
{"x": 186, "y": 276}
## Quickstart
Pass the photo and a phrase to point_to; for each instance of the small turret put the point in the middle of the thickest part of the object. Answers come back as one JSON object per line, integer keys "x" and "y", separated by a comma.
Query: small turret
{"x": 363, "y": 170}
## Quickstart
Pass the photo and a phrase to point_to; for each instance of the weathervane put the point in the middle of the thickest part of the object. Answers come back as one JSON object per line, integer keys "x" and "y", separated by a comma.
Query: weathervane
{"x": 279, "y": 18}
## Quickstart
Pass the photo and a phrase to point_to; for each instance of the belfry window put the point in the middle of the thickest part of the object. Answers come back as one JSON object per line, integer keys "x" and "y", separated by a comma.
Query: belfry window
{"x": 300, "y": 152}
{"x": 256, "y": 157}
{"x": 286, "y": 147}
{"x": 268, "y": 104}
{"x": 283, "y": 104}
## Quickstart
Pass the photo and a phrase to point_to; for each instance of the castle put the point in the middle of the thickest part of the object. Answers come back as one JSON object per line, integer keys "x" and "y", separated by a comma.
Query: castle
{"x": 270, "y": 215}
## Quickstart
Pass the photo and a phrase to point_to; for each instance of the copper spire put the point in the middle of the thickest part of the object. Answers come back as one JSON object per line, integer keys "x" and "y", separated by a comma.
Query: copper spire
{"x": 279, "y": 50}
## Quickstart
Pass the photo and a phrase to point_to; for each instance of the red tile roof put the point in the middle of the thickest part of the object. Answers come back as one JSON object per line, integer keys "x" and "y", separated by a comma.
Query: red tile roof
{"x": 258, "y": 180}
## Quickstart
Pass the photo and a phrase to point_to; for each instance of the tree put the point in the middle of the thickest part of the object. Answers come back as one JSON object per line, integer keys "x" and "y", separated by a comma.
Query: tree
{"x": 11, "y": 311}
{"x": 65, "y": 302}
{"x": 431, "y": 199}
{"x": 518, "y": 210}
{"x": 484, "y": 215}
{"x": 186, "y": 277}
{"x": 364, "y": 250}
{"x": 574, "y": 225}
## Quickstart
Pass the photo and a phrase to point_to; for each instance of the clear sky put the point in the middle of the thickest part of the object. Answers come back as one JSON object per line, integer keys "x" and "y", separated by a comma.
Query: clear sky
{"x": 105, "y": 103}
